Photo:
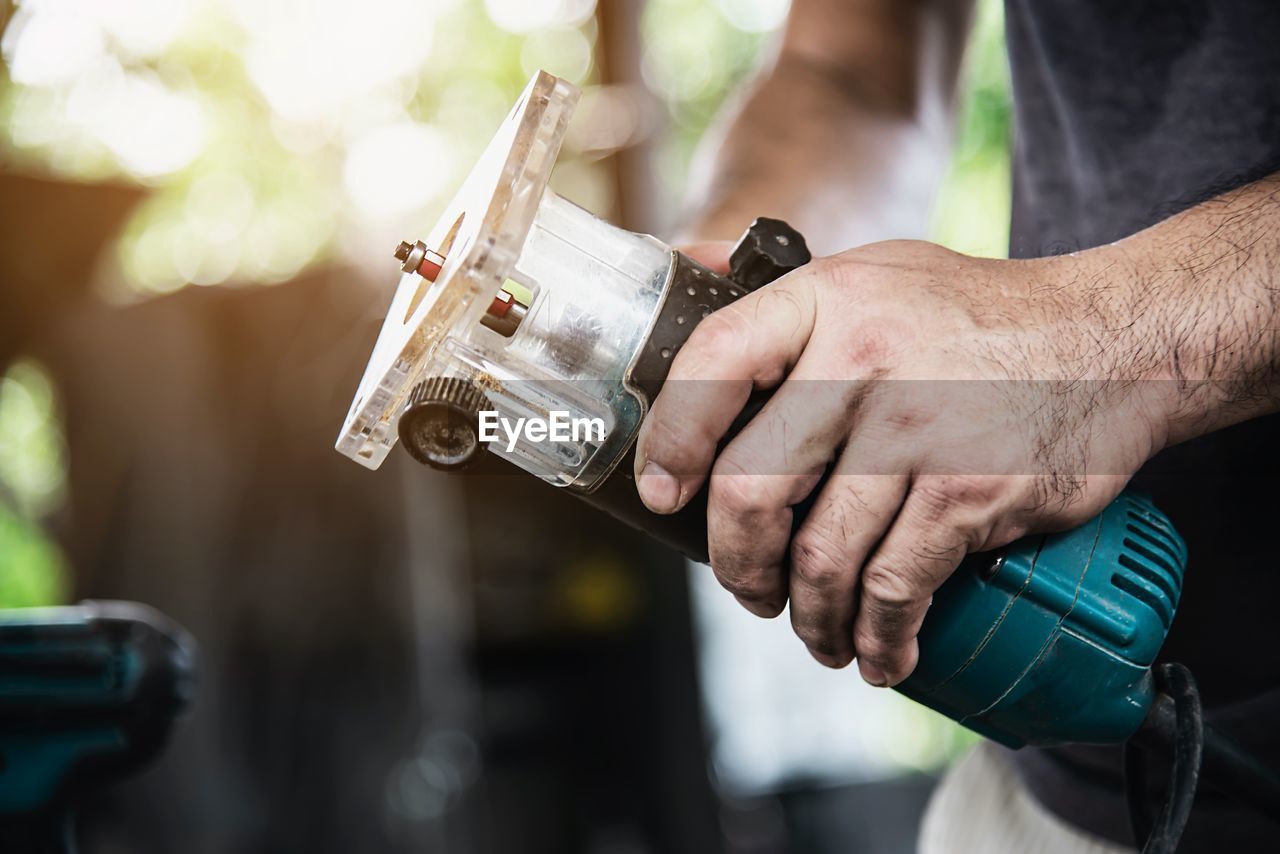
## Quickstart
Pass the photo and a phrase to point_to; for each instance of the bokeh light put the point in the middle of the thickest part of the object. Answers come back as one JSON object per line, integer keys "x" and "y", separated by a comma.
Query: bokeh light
{"x": 32, "y": 484}
{"x": 397, "y": 168}
{"x": 526, "y": 16}
{"x": 32, "y": 460}
{"x": 312, "y": 59}
{"x": 276, "y": 135}
{"x": 286, "y": 133}
{"x": 755, "y": 16}
{"x": 693, "y": 66}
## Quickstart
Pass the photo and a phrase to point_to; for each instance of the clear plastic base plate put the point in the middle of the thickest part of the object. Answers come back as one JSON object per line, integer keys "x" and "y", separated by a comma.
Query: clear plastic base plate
{"x": 481, "y": 234}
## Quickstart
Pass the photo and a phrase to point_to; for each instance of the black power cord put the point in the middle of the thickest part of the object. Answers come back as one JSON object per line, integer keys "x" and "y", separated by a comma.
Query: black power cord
{"x": 1178, "y": 718}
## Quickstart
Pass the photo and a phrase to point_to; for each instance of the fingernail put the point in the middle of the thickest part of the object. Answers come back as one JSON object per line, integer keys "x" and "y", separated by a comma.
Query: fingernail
{"x": 658, "y": 489}
{"x": 872, "y": 675}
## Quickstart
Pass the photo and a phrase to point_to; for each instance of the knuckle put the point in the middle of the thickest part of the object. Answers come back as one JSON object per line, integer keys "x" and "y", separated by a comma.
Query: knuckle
{"x": 814, "y": 560}
{"x": 869, "y": 345}
{"x": 934, "y": 499}
{"x": 937, "y": 497}
{"x": 736, "y": 492}
{"x": 890, "y": 585}
{"x": 958, "y": 509}
{"x": 947, "y": 492}
{"x": 720, "y": 335}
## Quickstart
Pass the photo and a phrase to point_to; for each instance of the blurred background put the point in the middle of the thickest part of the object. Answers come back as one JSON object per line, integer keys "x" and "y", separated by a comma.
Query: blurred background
{"x": 198, "y": 199}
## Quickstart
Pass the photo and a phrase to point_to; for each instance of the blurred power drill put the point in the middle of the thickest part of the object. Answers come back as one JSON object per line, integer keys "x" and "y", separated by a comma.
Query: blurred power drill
{"x": 88, "y": 694}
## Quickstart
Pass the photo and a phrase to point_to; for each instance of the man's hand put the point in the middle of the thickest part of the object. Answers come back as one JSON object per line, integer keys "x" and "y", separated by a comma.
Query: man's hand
{"x": 939, "y": 405}
{"x": 908, "y": 372}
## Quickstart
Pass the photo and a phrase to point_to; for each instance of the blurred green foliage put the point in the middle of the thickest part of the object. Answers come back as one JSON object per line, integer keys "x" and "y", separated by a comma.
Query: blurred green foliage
{"x": 697, "y": 53}
{"x": 31, "y": 458}
{"x": 32, "y": 480}
{"x": 972, "y": 212}
{"x": 276, "y": 135}
{"x": 31, "y": 569}
{"x": 273, "y": 141}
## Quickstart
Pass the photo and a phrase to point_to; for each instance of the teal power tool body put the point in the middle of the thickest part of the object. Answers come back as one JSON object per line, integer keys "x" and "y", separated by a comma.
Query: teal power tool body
{"x": 88, "y": 694}
{"x": 520, "y": 304}
{"x": 1053, "y": 640}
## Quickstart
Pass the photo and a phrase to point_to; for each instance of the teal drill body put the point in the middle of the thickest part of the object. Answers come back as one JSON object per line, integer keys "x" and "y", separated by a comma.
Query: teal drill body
{"x": 88, "y": 694}
{"x": 1053, "y": 641}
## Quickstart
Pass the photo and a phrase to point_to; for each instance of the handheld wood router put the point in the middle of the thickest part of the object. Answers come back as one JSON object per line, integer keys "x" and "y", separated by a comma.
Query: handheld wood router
{"x": 522, "y": 304}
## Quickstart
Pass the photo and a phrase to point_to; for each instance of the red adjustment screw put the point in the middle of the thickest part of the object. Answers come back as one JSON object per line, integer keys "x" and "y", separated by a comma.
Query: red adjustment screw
{"x": 417, "y": 258}
{"x": 504, "y": 314}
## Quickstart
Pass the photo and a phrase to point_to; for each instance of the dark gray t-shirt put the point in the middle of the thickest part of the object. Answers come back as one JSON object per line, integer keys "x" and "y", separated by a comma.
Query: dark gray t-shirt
{"x": 1125, "y": 114}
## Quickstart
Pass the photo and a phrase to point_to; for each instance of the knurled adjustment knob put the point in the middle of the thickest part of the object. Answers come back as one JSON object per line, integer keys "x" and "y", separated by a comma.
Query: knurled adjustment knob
{"x": 440, "y": 425}
{"x": 768, "y": 250}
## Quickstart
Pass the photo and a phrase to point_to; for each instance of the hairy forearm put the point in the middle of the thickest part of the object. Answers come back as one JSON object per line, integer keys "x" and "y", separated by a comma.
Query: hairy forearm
{"x": 1202, "y": 316}
{"x": 846, "y": 136}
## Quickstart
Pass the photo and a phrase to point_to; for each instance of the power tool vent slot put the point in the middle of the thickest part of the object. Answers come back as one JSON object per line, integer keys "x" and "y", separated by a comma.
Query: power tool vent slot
{"x": 1158, "y": 536}
{"x": 1145, "y": 596}
{"x": 1168, "y": 586}
{"x": 1157, "y": 557}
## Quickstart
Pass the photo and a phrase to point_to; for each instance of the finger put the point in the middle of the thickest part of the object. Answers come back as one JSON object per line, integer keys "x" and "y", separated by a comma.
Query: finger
{"x": 849, "y": 517}
{"x": 748, "y": 528}
{"x": 848, "y": 521}
{"x": 924, "y": 545}
{"x": 713, "y": 254}
{"x": 775, "y": 462}
{"x": 750, "y": 344}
